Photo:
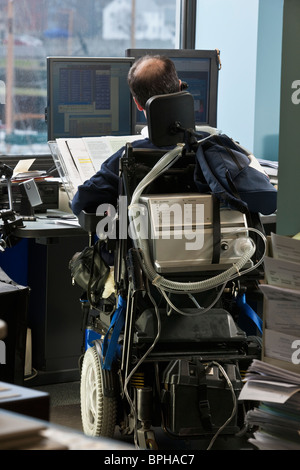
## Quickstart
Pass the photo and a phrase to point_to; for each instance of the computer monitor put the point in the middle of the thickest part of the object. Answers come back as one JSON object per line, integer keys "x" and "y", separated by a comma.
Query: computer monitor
{"x": 88, "y": 97}
{"x": 199, "y": 69}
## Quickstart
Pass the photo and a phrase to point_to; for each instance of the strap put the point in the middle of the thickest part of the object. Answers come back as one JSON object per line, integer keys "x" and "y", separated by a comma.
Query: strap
{"x": 91, "y": 275}
{"x": 248, "y": 311}
{"x": 232, "y": 185}
{"x": 110, "y": 345}
{"x": 216, "y": 230}
{"x": 204, "y": 406}
{"x": 216, "y": 185}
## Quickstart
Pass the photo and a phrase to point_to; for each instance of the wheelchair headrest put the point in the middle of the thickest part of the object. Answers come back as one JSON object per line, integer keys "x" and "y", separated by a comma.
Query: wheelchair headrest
{"x": 168, "y": 115}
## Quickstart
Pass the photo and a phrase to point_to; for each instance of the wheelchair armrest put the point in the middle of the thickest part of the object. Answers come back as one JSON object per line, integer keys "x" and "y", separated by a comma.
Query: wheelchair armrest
{"x": 88, "y": 221}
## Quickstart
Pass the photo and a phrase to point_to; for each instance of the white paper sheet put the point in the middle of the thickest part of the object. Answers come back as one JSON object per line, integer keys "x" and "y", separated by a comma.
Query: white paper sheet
{"x": 282, "y": 309}
{"x": 285, "y": 248}
{"x": 282, "y": 273}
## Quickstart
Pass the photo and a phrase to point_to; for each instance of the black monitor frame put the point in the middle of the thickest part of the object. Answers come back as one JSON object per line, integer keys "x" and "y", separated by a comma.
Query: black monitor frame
{"x": 53, "y": 62}
{"x": 211, "y": 55}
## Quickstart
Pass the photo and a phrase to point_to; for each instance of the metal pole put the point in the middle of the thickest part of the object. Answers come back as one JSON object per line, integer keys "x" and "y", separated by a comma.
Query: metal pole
{"x": 9, "y": 69}
{"x": 132, "y": 26}
{"x": 188, "y": 24}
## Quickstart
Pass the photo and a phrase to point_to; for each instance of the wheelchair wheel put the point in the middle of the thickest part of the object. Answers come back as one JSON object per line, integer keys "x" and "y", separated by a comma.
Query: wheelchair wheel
{"x": 98, "y": 412}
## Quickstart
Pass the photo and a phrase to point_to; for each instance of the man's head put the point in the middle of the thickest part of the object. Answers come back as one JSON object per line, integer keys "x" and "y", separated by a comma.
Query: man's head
{"x": 150, "y": 76}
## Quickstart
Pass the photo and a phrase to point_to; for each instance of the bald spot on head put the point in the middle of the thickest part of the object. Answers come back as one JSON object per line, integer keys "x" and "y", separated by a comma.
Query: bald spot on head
{"x": 150, "y": 68}
{"x": 151, "y": 76}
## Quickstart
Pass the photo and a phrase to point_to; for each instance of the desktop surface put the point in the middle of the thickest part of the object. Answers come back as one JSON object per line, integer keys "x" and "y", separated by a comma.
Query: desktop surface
{"x": 53, "y": 223}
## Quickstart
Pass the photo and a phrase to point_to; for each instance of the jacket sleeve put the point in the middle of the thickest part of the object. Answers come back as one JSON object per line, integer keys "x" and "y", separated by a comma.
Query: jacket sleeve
{"x": 103, "y": 187}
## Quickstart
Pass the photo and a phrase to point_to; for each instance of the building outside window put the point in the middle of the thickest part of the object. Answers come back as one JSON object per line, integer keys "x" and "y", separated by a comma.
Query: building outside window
{"x": 32, "y": 30}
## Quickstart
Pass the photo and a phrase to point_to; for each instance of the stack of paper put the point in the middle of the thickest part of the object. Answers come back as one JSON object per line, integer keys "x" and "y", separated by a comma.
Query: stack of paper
{"x": 22, "y": 171}
{"x": 271, "y": 168}
{"x": 281, "y": 336}
{"x": 274, "y": 382}
{"x": 278, "y": 413}
{"x": 26, "y": 175}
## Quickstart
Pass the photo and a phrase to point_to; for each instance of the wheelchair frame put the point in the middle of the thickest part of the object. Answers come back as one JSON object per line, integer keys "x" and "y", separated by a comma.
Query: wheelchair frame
{"x": 172, "y": 370}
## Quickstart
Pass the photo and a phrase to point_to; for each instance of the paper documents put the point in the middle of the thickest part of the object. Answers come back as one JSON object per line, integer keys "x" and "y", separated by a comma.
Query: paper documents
{"x": 274, "y": 382}
{"x": 282, "y": 302}
{"x": 278, "y": 412}
{"x": 282, "y": 309}
{"x": 80, "y": 158}
{"x": 22, "y": 171}
{"x": 285, "y": 248}
{"x": 265, "y": 382}
{"x": 282, "y": 273}
{"x": 23, "y": 166}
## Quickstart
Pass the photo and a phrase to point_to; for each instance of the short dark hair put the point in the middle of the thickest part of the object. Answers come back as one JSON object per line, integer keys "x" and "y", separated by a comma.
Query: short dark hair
{"x": 152, "y": 75}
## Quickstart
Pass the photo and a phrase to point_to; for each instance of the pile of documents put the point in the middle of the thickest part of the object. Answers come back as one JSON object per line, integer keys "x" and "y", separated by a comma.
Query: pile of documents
{"x": 282, "y": 303}
{"x": 271, "y": 168}
{"x": 22, "y": 171}
{"x": 277, "y": 416}
{"x": 274, "y": 382}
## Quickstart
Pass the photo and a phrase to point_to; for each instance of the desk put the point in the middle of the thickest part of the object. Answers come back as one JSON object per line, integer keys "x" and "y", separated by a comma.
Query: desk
{"x": 54, "y": 313}
{"x": 46, "y": 226}
{"x": 24, "y": 400}
{"x": 20, "y": 432}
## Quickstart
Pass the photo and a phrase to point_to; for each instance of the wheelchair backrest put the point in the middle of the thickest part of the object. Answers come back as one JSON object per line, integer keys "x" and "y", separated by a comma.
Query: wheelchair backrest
{"x": 166, "y": 114}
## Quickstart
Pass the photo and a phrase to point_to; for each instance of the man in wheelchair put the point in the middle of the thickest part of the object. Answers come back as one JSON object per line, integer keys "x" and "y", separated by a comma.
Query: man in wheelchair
{"x": 148, "y": 77}
{"x": 164, "y": 350}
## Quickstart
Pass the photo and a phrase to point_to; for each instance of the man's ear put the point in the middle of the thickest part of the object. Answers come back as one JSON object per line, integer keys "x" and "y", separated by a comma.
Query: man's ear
{"x": 139, "y": 107}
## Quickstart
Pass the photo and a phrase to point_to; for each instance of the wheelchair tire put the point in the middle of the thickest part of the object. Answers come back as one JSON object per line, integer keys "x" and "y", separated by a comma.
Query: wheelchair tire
{"x": 98, "y": 412}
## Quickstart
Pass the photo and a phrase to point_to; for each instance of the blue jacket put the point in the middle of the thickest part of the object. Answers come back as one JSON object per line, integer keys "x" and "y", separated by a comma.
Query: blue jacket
{"x": 104, "y": 185}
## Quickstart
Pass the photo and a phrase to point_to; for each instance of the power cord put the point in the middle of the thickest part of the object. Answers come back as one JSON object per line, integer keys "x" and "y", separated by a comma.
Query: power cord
{"x": 234, "y": 399}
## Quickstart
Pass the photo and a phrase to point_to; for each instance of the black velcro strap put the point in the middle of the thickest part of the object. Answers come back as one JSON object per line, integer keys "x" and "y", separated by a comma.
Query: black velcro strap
{"x": 216, "y": 230}
{"x": 203, "y": 403}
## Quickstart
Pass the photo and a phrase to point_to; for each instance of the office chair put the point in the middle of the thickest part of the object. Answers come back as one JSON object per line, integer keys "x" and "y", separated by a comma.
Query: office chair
{"x": 162, "y": 351}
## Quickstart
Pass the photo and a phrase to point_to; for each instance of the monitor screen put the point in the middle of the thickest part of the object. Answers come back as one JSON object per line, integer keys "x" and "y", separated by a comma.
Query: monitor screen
{"x": 199, "y": 69}
{"x": 88, "y": 97}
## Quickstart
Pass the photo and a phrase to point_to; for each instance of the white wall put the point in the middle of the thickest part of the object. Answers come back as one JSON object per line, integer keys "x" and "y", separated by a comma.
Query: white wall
{"x": 268, "y": 79}
{"x": 232, "y": 26}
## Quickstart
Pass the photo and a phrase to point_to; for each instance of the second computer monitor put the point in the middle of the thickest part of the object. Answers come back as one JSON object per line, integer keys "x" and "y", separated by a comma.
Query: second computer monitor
{"x": 199, "y": 69}
{"x": 88, "y": 96}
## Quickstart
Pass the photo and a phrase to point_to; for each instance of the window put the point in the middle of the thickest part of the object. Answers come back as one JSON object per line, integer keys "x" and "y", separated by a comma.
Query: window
{"x": 32, "y": 30}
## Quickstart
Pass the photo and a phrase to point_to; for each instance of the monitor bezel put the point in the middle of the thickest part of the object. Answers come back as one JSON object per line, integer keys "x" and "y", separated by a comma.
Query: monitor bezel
{"x": 51, "y": 60}
{"x": 213, "y": 55}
